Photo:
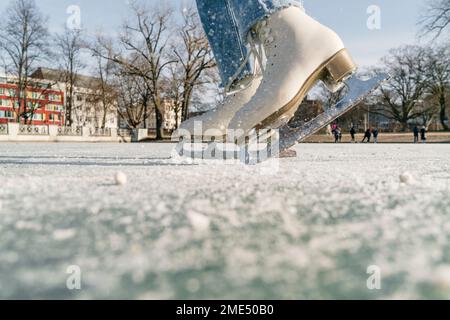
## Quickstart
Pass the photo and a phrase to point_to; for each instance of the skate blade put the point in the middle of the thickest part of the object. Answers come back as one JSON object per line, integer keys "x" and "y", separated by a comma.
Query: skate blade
{"x": 265, "y": 144}
{"x": 358, "y": 90}
{"x": 256, "y": 150}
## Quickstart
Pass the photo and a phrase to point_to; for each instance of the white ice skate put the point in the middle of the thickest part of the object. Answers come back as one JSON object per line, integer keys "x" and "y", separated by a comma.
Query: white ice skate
{"x": 213, "y": 124}
{"x": 299, "y": 51}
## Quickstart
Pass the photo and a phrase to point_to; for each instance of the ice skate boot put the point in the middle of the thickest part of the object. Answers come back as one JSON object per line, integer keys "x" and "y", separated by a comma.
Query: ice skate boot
{"x": 200, "y": 136}
{"x": 214, "y": 123}
{"x": 299, "y": 51}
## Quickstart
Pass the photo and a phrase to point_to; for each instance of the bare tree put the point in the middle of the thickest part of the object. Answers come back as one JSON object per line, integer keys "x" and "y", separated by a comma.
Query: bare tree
{"x": 428, "y": 110}
{"x": 144, "y": 42}
{"x": 195, "y": 59}
{"x": 438, "y": 72}
{"x": 69, "y": 45}
{"x": 173, "y": 91}
{"x": 436, "y": 18}
{"x": 105, "y": 93}
{"x": 24, "y": 38}
{"x": 133, "y": 100}
{"x": 402, "y": 94}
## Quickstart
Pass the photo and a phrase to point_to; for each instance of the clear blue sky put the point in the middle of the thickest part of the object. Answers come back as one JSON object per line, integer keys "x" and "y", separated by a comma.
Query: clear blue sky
{"x": 347, "y": 17}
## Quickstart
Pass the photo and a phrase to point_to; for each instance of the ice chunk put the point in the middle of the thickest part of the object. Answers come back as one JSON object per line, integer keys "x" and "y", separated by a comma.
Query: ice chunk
{"x": 120, "y": 178}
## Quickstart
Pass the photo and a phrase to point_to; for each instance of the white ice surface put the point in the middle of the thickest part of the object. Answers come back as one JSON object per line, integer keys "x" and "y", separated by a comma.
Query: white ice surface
{"x": 310, "y": 230}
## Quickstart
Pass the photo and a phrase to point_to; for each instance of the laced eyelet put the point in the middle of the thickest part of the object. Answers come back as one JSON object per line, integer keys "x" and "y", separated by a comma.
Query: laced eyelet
{"x": 269, "y": 41}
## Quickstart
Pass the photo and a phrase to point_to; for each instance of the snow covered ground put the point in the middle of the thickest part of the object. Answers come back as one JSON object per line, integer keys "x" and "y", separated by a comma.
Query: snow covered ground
{"x": 311, "y": 230}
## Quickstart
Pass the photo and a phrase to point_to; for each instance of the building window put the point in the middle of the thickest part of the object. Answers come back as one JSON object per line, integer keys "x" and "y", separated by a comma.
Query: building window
{"x": 6, "y": 114}
{"x": 34, "y": 95}
{"x": 53, "y": 117}
{"x": 53, "y": 107}
{"x": 2, "y": 91}
{"x": 5, "y": 102}
{"x": 54, "y": 97}
{"x": 38, "y": 117}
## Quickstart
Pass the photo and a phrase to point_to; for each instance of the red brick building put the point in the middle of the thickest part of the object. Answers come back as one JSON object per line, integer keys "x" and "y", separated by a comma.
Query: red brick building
{"x": 47, "y": 104}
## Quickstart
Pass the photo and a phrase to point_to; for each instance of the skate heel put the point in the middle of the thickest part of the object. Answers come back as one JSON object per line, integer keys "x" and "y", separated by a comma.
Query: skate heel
{"x": 339, "y": 68}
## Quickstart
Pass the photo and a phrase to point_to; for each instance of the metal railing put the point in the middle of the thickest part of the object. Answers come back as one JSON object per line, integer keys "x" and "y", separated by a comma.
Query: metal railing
{"x": 100, "y": 132}
{"x": 70, "y": 131}
{"x": 30, "y": 130}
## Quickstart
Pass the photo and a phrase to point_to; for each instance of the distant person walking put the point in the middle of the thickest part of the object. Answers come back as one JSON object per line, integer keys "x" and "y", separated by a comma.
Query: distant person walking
{"x": 416, "y": 134}
{"x": 353, "y": 134}
{"x": 333, "y": 127}
{"x": 423, "y": 134}
{"x": 367, "y": 136}
{"x": 337, "y": 135}
{"x": 375, "y": 135}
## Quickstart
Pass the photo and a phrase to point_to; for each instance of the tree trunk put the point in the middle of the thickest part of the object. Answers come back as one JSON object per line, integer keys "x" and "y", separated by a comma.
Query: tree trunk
{"x": 159, "y": 122}
{"x": 69, "y": 106}
{"x": 104, "y": 118}
{"x": 404, "y": 124}
{"x": 443, "y": 115}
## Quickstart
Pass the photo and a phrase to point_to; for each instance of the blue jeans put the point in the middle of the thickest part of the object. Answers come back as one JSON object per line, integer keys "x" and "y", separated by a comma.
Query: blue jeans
{"x": 227, "y": 24}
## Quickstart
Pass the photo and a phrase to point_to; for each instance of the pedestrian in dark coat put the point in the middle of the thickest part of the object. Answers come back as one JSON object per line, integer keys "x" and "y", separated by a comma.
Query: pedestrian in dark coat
{"x": 416, "y": 134}
{"x": 423, "y": 134}
{"x": 353, "y": 133}
{"x": 375, "y": 135}
{"x": 367, "y": 136}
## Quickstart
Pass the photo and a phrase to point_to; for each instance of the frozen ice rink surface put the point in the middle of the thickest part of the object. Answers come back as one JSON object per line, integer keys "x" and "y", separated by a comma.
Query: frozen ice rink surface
{"x": 311, "y": 229}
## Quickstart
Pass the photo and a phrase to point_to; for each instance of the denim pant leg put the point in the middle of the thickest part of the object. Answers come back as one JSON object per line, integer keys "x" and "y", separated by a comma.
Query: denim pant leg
{"x": 221, "y": 29}
{"x": 227, "y": 23}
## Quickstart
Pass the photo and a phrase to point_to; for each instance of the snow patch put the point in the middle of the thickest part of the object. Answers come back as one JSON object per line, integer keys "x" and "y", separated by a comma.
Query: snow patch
{"x": 440, "y": 278}
{"x": 28, "y": 225}
{"x": 64, "y": 234}
{"x": 120, "y": 178}
{"x": 199, "y": 221}
{"x": 407, "y": 178}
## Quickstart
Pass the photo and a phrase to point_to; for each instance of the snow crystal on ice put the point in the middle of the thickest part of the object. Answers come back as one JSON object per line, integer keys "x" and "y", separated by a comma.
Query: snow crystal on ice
{"x": 406, "y": 178}
{"x": 224, "y": 231}
{"x": 199, "y": 221}
{"x": 63, "y": 234}
{"x": 120, "y": 178}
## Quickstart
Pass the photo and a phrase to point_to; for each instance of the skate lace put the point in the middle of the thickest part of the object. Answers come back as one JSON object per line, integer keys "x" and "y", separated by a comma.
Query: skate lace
{"x": 258, "y": 38}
